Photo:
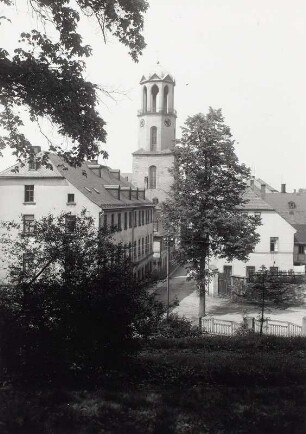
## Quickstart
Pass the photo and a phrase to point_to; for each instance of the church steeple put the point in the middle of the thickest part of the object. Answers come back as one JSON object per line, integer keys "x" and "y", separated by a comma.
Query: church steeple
{"x": 156, "y": 138}
{"x": 157, "y": 116}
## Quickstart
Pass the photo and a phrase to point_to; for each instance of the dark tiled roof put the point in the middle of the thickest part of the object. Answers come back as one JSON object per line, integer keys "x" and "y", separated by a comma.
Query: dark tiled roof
{"x": 92, "y": 186}
{"x": 280, "y": 202}
{"x": 24, "y": 172}
{"x": 255, "y": 202}
{"x": 300, "y": 235}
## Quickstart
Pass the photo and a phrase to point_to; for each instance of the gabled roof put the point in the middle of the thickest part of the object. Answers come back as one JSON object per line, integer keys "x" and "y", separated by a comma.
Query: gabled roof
{"x": 255, "y": 202}
{"x": 25, "y": 172}
{"x": 258, "y": 182}
{"x": 300, "y": 235}
{"x": 291, "y": 206}
{"x": 84, "y": 179}
{"x": 92, "y": 186}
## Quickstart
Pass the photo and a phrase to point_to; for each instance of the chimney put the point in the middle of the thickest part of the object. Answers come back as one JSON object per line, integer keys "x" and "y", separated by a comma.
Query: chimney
{"x": 252, "y": 183}
{"x": 283, "y": 188}
{"x": 263, "y": 189}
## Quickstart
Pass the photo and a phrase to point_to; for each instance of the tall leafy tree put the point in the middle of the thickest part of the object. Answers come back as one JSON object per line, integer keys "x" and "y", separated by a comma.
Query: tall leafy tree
{"x": 45, "y": 74}
{"x": 206, "y": 198}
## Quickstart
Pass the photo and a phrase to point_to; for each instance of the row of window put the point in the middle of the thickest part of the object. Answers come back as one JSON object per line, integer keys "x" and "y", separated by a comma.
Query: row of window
{"x": 28, "y": 223}
{"x": 128, "y": 219}
{"x": 137, "y": 251}
{"x": 29, "y": 195}
{"x": 249, "y": 270}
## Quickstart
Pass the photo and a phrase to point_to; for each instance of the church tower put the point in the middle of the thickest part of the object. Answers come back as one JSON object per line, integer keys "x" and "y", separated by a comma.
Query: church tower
{"x": 156, "y": 137}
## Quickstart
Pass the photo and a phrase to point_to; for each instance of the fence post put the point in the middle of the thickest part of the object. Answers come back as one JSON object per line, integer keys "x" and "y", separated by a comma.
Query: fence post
{"x": 304, "y": 326}
{"x": 249, "y": 322}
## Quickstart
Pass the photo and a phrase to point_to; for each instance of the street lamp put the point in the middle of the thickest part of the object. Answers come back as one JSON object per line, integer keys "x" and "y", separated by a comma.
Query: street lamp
{"x": 168, "y": 240}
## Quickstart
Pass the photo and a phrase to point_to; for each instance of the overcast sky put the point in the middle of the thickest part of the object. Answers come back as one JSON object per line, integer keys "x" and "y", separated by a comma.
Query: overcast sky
{"x": 244, "y": 56}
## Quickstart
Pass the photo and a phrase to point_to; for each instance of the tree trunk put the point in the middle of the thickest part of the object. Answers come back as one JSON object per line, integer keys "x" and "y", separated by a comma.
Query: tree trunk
{"x": 202, "y": 288}
{"x": 262, "y": 305}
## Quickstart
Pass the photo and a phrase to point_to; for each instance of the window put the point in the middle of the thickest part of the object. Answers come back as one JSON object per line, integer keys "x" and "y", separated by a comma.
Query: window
{"x": 135, "y": 250}
{"x": 250, "y": 270}
{"x": 227, "y": 270}
{"x": 27, "y": 262}
{"x": 135, "y": 219}
{"x": 130, "y": 219}
{"x": 139, "y": 218}
{"x": 29, "y": 193}
{"x": 155, "y": 200}
{"x": 34, "y": 165}
{"x": 70, "y": 222}
{"x": 112, "y": 220}
{"x": 165, "y": 102}
{"x": 301, "y": 250}
{"x": 142, "y": 246}
{"x": 139, "y": 248}
{"x": 154, "y": 92}
{"x": 70, "y": 198}
{"x": 258, "y": 214}
{"x": 142, "y": 217}
{"x": 151, "y": 243}
{"x": 145, "y": 99}
{"x": 105, "y": 220}
{"x": 291, "y": 205}
{"x": 152, "y": 177}
{"x": 153, "y": 138}
{"x": 274, "y": 244}
{"x": 119, "y": 222}
{"x": 28, "y": 224}
{"x": 125, "y": 220}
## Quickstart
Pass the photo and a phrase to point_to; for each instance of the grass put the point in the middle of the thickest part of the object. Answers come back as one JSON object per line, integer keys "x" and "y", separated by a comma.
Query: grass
{"x": 192, "y": 385}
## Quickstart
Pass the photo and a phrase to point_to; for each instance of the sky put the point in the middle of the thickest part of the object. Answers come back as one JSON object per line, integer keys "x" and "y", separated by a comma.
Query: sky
{"x": 246, "y": 57}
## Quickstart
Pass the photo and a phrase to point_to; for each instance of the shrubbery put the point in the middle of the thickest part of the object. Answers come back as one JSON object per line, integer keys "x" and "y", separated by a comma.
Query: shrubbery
{"x": 76, "y": 309}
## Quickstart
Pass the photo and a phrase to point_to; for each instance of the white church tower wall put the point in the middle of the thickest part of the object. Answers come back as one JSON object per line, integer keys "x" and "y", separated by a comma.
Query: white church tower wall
{"x": 156, "y": 137}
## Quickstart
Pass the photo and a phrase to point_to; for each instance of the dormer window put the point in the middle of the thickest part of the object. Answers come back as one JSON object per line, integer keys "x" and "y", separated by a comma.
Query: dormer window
{"x": 34, "y": 165}
{"x": 291, "y": 205}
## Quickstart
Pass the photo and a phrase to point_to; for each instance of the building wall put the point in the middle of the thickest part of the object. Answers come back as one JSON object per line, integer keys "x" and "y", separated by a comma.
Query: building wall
{"x": 50, "y": 197}
{"x": 273, "y": 225}
{"x": 164, "y": 180}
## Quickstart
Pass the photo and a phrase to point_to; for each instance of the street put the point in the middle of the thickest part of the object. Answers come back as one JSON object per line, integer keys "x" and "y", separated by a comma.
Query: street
{"x": 185, "y": 292}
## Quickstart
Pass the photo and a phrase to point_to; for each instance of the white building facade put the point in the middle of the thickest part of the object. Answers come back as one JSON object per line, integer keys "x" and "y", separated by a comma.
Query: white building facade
{"x": 30, "y": 194}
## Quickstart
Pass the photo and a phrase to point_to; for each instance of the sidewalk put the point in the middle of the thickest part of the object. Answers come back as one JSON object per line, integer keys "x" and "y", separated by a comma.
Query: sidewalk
{"x": 225, "y": 309}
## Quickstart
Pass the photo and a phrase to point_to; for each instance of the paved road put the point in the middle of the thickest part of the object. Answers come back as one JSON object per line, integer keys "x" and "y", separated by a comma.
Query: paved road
{"x": 179, "y": 287}
{"x": 186, "y": 294}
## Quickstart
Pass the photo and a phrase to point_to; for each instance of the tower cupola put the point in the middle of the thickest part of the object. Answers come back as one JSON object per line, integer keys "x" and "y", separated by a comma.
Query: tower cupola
{"x": 157, "y": 116}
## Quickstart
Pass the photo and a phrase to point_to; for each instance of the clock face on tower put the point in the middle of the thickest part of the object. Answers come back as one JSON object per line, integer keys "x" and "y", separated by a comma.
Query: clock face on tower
{"x": 142, "y": 122}
{"x": 167, "y": 122}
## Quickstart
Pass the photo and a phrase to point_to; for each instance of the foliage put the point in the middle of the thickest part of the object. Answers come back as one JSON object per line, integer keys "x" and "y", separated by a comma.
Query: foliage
{"x": 174, "y": 327}
{"x": 207, "y": 196}
{"x": 224, "y": 390}
{"x": 266, "y": 286}
{"x": 74, "y": 307}
{"x": 46, "y": 75}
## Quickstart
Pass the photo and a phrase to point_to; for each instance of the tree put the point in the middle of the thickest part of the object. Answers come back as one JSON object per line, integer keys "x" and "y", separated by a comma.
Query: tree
{"x": 281, "y": 289}
{"x": 71, "y": 304}
{"x": 45, "y": 75}
{"x": 206, "y": 198}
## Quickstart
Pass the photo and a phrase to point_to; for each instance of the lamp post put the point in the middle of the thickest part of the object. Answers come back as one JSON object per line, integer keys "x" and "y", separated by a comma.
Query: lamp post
{"x": 168, "y": 239}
